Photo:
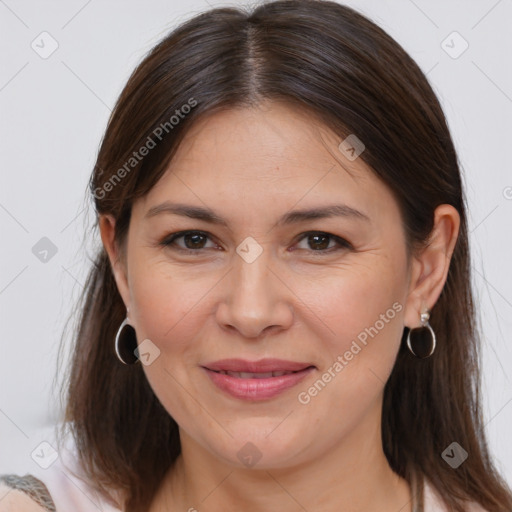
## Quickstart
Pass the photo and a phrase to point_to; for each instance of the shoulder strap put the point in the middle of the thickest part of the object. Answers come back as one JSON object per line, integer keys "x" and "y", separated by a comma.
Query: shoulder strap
{"x": 31, "y": 486}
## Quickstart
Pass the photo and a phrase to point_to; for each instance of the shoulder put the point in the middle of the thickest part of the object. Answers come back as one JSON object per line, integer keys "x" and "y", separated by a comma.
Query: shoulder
{"x": 63, "y": 484}
{"x": 16, "y": 501}
{"x": 24, "y": 494}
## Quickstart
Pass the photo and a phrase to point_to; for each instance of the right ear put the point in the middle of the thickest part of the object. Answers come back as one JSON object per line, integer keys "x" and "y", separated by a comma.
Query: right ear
{"x": 107, "y": 225}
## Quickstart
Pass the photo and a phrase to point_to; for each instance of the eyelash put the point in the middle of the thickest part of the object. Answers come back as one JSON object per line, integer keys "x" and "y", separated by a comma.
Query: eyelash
{"x": 169, "y": 241}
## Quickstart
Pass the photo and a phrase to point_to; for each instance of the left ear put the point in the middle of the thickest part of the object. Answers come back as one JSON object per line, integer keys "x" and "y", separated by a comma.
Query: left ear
{"x": 430, "y": 267}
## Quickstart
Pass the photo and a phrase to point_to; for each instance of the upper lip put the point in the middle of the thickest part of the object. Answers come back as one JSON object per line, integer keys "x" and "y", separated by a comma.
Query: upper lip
{"x": 260, "y": 366}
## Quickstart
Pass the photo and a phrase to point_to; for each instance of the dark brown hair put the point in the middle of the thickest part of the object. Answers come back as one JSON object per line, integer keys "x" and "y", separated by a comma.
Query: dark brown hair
{"x": 343, "y": 69}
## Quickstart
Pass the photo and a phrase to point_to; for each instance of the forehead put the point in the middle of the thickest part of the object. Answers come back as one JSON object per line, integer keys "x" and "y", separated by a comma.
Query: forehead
{"x": 263, "y": 160}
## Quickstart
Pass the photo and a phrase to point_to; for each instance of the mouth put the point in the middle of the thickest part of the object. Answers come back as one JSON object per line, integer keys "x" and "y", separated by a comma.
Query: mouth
{"x": 252, "y": 375}
{"x": 256, "y": 380}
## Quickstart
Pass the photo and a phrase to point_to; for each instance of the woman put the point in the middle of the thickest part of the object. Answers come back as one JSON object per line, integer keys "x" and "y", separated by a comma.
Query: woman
{"x": 281, "y": 315}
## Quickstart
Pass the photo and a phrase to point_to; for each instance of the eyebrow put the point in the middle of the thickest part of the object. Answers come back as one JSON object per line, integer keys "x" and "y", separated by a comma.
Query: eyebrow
{"x": 293, "y": 217}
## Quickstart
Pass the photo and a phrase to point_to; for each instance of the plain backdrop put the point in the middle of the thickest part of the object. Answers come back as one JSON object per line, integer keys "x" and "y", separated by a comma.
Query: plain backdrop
{"x": 54, "y": 109}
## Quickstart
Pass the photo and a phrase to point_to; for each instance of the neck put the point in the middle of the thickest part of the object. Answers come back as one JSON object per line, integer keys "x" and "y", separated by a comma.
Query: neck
{"x": 352, "y": 476}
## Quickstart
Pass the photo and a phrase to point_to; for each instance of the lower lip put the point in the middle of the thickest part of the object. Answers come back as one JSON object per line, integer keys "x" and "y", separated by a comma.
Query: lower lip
{"x": 256, "y": 389}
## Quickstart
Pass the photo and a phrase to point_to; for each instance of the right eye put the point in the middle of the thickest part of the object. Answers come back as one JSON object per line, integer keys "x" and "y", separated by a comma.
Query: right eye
{"x": 194, "y": 241}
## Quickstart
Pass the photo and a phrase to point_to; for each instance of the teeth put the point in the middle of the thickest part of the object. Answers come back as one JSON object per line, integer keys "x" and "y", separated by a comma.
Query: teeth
{"x": 248, "y": 375}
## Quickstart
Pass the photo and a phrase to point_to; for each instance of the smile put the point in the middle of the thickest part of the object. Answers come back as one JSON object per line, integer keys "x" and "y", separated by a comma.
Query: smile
{"x": 247, "y": 375}
{"x": 259, "y": 380}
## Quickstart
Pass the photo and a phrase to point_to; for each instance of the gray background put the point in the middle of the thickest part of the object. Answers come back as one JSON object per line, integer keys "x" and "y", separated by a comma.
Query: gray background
{"x": 53, "y": 114}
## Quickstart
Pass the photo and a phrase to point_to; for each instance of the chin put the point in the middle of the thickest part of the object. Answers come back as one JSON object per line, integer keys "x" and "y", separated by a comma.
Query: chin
{"x": 260, "y": 450}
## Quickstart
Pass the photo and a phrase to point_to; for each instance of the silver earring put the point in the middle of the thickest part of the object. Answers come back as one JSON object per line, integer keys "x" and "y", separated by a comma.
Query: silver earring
{"x": 126, "y": 343}
{"x": 424, "y": 347}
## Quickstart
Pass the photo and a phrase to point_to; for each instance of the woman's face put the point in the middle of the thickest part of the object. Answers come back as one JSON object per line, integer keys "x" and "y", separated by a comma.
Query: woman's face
{"x": 329, "y": 293}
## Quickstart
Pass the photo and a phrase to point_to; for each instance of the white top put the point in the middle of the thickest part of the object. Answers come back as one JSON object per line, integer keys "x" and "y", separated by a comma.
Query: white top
{"x": 70, "y": 493}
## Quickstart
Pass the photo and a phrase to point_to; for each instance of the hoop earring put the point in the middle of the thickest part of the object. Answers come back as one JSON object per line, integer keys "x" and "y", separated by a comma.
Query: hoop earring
{"x": 421, "y": 344}
{"x": 126, "y": 343}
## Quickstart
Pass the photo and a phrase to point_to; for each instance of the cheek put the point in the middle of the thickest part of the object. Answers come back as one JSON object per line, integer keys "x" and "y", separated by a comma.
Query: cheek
{"x": 170, "y": 307}
{"x": 364, "y": 311}
{"x": 360, "y": 304}
{"x": 166, "y": 309}
{"x": 161, "y": 294}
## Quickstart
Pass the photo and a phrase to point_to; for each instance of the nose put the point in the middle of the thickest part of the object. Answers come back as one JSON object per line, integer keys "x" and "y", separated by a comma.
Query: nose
{"x": 256, "y": 298}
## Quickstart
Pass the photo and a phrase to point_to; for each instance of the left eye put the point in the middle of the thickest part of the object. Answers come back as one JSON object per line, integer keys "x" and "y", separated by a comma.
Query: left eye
{"x": 321, "y": 240}
{"x": 194, "y": 241}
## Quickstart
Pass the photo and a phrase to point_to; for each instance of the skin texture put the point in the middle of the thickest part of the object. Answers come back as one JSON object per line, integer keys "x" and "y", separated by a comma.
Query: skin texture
{"x": 300, "y": 300}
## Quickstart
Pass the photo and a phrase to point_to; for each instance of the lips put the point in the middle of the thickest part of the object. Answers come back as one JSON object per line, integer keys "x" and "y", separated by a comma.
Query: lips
{"x": 256, "y": 380}
{"x": 252, "y": 375}
{"x": 256, "y": 367}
